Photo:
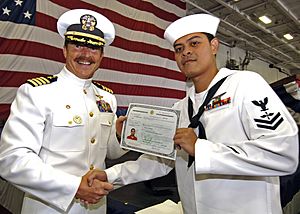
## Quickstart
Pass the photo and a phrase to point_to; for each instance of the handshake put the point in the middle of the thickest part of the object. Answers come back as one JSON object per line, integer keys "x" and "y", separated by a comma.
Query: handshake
{"x": 93, "y": 187}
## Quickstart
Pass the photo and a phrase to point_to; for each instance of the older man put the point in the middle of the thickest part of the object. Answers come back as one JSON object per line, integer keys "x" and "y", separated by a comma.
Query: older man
{"x": 62, "y": 126}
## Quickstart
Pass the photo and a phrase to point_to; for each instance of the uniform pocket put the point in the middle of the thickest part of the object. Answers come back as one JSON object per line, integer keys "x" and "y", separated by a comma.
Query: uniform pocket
{"x": 106, "y": 118}
{"x": 68, "y": 132}
{"x": 106, "y": 121}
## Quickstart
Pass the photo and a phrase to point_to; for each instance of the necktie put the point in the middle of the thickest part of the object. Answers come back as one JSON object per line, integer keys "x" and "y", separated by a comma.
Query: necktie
{"x": 195, "y": 120}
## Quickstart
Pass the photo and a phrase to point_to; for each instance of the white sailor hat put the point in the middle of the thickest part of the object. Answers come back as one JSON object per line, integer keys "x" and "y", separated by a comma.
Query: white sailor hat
{"x": 202, "y": 23}
{"x": 86, "y": 27}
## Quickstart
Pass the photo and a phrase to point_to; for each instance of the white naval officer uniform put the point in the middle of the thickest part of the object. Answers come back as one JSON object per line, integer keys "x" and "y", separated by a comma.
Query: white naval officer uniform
{"x": 54, "y": 135}
{"x": 251, "y": 140}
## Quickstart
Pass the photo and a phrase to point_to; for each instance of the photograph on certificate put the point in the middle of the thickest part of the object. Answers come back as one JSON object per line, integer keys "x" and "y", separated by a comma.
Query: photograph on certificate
{"x": 150, "y": 129}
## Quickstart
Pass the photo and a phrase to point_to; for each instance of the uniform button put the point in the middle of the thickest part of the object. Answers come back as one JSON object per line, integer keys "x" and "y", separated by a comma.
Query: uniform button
{"x": 92, "y": 167}
{"x": 109, "y": 122}
{"x": 68, "y": 106}
{"x": 91, "y": 114}
{"x": 84, "y": 91}
{"x": 70, "y": 122}
{"x": 93, "y": 140}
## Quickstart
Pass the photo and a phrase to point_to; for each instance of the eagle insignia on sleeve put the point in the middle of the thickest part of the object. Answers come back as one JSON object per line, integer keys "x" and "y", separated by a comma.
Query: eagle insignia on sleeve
{"x": 42, "y": 80}
{"x": 268, "y": 120}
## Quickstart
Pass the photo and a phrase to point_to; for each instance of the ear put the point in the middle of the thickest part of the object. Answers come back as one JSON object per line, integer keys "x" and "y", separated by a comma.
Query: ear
{"x": 214, "y": 43}
{"x": 65, "y": 51}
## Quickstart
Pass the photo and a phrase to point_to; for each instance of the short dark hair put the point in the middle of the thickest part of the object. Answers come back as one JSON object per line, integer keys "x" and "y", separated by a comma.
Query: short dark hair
{"x": 209, "y": 36}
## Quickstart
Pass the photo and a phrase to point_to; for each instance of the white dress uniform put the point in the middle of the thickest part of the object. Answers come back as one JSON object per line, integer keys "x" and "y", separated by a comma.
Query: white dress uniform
{"x": 251, "y": 140}
{"x": 55, "y": 133}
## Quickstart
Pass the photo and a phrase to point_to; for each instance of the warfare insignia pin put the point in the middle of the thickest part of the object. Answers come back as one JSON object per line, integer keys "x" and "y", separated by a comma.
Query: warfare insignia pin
{"x": 267, "y": 120}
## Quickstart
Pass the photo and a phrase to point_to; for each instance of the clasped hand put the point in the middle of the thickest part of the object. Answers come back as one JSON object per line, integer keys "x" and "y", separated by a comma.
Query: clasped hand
{"x": 93, "y": 187}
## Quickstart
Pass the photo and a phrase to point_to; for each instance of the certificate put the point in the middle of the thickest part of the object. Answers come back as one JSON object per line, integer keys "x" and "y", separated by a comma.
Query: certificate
{"x": 150, "y": 129}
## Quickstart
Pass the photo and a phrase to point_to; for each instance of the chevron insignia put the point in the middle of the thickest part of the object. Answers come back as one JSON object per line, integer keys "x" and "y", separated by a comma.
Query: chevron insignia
{"x": 41, "y": 81}
{"x": 103, "y": 87}
{"x": 267, "y": 120}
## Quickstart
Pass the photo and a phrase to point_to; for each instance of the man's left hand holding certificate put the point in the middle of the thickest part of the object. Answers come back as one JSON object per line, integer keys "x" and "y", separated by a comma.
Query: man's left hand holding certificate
{"x": 150, "y": 129}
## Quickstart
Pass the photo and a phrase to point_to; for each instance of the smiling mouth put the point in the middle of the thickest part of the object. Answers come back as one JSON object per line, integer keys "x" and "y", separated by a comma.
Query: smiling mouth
{"x": 84, "y": 62}
{"x": 188, "y": 61}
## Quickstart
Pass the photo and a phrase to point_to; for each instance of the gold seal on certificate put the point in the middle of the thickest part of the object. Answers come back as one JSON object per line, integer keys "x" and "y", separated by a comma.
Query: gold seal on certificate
{"x": 150, "y": 129}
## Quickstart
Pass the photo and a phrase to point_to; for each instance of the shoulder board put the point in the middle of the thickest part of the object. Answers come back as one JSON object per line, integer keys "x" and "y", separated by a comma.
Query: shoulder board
{"x": 103, "y": 87}
{"x": 41, "y": 81}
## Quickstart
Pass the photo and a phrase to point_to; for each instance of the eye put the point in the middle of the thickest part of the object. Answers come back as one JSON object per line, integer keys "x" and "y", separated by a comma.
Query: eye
{"x": 194, "y": 43}
{"x": 94, "y": 48}
{"x": 178, "y": 49}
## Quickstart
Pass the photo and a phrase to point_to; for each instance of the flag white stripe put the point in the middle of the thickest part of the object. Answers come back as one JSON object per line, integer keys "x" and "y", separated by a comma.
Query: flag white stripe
{"x": 171, "y": 8}
{"x": 124, "y": 100}
{"x": 7, "y": 94}
{"x": 121, "y": 31}
{"x": 138, "y": 79}
{"x": 35, "y": 34}
{"x": 134, "y": 13}
{"x": 29, "y": 64}
{"x": 36, "y": 65}
{"x": 42, "y": 36}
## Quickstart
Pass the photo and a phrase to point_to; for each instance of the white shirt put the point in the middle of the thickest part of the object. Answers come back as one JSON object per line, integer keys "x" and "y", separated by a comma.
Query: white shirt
{"x": 251, "y": 141}
{"x": 54, "y": 134}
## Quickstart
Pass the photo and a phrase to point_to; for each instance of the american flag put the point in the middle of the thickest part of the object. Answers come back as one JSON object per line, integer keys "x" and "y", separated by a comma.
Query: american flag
{"x": 139, "y": 65}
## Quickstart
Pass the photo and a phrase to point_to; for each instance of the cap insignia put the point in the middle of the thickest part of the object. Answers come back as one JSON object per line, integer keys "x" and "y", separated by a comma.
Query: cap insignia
{"x": 88, "y": 22}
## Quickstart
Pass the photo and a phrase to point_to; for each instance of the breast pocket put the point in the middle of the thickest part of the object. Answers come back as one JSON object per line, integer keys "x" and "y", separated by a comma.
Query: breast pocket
{"x": 68, "y": 132}
{"x": 106, "y": 123}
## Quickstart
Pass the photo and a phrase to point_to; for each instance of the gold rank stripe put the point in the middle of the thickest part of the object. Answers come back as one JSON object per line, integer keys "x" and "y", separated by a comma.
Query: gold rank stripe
{"x": 41, "y": 81}
{"x": 87, "y": 35}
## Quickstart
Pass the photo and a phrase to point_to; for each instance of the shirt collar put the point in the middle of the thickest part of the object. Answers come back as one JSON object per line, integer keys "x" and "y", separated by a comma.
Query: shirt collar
{"x": 72, "y": 78}
{"x": 223, "y": 72}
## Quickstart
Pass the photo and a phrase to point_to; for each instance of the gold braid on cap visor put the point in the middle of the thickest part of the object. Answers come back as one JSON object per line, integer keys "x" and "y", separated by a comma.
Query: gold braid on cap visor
{"x": 71, "y": 35}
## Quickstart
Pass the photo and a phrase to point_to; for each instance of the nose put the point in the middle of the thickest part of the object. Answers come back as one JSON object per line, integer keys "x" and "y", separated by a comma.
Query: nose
{"x": 186, "y": 52}
{"x": 85, "y": 50}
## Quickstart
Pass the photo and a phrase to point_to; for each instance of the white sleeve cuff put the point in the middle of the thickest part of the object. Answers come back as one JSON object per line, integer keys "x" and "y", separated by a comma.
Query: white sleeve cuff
{"x": 202, "y": 156}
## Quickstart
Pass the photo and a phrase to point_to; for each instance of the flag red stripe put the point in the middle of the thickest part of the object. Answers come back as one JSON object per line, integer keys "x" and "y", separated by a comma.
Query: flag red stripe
{"x": 44, "y": 21}
{"x": 34, "y": 49}
{"x": 15, "y": 79}
{"x": 147, "y": 6}
{"x": 112, "y": 15}
{"x": 137, "y": 90}
{"x": 142, "y": 48}
{"x": 29, "y": 48}
{"x": 19, "y": 78}
{"x": 4, "y": 111}
{"x": 50, "y": 24}
{"x": 180, "y": 4}
{"x": 131, "y": 57}
{"x": 138, "y": 68}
